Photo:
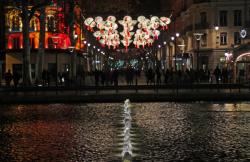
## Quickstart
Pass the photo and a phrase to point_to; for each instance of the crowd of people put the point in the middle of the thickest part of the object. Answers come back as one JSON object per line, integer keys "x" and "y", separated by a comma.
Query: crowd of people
{"x": 133, "y": 76}
{"x": 8, "y": 77}
{"x": 158, "y": 76}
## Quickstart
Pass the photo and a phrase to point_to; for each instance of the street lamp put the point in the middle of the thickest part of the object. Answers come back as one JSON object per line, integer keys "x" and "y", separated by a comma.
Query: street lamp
{"x": 216, "y": 28}
{"x": 55, "y": 43}
{"x": 174, "y": 38}
{"x": 216, "y": 35}
{"x": 197, "y": 36}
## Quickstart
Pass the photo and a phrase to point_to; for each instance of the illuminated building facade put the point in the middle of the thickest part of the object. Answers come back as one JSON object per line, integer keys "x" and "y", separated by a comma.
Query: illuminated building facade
{"x": 220, "y": 22}
{"x": 58, "y": 46}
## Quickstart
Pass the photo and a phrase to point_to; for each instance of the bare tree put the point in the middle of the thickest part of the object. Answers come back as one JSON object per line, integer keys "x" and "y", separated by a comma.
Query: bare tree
{"x": 71, "y": 24}
{"x": 41, "y": 50}
{"x": 26, "y": 17}
{"x": 26, "y": 46}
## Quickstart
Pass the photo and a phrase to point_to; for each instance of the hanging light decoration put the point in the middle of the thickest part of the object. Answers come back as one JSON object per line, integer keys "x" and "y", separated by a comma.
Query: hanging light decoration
{"x": 128, "y": 25}
{"x": 107, "y": 33}
{"x": 90, "y": 23}
{"x": 164, "y": 22}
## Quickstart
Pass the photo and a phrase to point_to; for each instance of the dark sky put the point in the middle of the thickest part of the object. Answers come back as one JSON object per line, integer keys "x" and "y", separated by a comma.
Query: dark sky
{"x": 122, "y": 7}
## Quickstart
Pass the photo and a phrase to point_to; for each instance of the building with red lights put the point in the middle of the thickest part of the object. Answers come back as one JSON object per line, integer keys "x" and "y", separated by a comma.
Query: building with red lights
{"x": 58, "y": 45}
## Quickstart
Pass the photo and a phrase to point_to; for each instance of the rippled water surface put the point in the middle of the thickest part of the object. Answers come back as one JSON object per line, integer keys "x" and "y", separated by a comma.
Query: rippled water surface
{"x": 89, "y": 132}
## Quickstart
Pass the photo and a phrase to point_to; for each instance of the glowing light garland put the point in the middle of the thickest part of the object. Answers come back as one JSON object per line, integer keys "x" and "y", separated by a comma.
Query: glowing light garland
{"x": 106, "y": 31}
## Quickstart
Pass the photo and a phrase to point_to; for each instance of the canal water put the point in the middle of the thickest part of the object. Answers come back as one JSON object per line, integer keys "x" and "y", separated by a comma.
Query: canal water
{"x": 167, "y": 131}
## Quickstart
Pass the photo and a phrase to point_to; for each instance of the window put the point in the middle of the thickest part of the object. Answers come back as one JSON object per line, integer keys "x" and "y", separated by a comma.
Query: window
{"x": 51, "y": 23}
{"x": 16, "y": 43}
{"x": 223, "y": 38}
{"x": 237, "y": 18}
{"x": 16, "y": 23}
{"x": 203, "y": 18}
{"x": 204, "y": 40}
{"x": 223, "y": 18}
{"x": 237, "y": 38}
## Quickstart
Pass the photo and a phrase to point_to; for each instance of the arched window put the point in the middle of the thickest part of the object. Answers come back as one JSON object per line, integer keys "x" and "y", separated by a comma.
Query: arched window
{"x": 13, "y": 20}
{"x": 34, "y": 24}
{"x": 51, "y": 23}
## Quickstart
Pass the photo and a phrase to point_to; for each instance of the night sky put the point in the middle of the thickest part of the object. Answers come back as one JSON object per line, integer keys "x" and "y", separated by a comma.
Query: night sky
{"x": 123, "y": 7}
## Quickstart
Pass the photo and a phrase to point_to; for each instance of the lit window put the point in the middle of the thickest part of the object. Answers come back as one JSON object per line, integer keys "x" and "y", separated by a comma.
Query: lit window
{"x": 204, "y": 40}
{"x": 223, "y": 38}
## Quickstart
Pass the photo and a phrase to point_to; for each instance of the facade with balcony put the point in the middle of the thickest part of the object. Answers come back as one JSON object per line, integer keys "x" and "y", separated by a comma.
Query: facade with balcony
{"x": 220, "y": 22}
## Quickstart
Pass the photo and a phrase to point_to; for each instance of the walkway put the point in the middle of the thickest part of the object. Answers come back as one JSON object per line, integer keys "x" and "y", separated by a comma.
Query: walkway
{"x": 140, "y": 93}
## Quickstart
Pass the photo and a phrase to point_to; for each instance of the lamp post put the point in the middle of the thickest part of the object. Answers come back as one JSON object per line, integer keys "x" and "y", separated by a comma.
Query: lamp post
{"x": 197, "y": 36}
{"x": 55, "y": 43}
{"x": 216, "y": 35}
{"x": 72, "y": 52}
{"x": 174, "y": 38}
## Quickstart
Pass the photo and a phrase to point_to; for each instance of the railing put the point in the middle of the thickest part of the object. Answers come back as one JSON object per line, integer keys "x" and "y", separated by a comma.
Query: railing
{"x": 137, "y": 93}
{"x": 136, "y": 88}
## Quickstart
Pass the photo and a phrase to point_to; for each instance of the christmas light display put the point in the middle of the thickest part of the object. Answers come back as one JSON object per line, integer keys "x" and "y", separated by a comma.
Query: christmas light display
{"x": 106, "y": 31}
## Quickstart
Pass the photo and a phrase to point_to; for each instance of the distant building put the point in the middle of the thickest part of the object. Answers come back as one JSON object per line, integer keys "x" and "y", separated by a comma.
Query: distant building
{"x": 224, "y": 26}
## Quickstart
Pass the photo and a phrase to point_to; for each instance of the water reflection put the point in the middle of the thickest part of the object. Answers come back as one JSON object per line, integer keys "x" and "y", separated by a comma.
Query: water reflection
{"x": 88, "y": 132}
{"x": 58, "y": 132}
{"x": 194, "y": 132}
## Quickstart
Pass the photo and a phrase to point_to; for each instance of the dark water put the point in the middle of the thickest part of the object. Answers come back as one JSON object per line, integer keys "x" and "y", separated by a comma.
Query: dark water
{"x": 88, "y": 132}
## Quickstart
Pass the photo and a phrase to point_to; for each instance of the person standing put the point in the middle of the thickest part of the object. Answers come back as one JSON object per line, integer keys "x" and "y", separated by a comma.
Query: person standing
{"x": 16, "y": 78}
{"x": 217, "y": 74}
{"x": 8, "y": 77}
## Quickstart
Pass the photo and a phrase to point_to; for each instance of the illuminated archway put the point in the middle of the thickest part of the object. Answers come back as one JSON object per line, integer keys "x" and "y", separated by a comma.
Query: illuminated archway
{"x": 241, "y": 56}
{"x": 236, "y": 62}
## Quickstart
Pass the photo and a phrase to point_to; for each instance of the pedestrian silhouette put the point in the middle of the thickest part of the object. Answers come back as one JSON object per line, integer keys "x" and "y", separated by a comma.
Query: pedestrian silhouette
{"x": 217, "y": 74}
{"x": 16, "y": 78}
{"x": 8, "y": 77}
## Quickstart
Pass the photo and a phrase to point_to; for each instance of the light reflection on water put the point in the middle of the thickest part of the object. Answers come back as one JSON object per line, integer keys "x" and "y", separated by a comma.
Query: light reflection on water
{"x": 194, "y": 132}
{"x": 57, "y": 132}
{"x": 88, "y": 132}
